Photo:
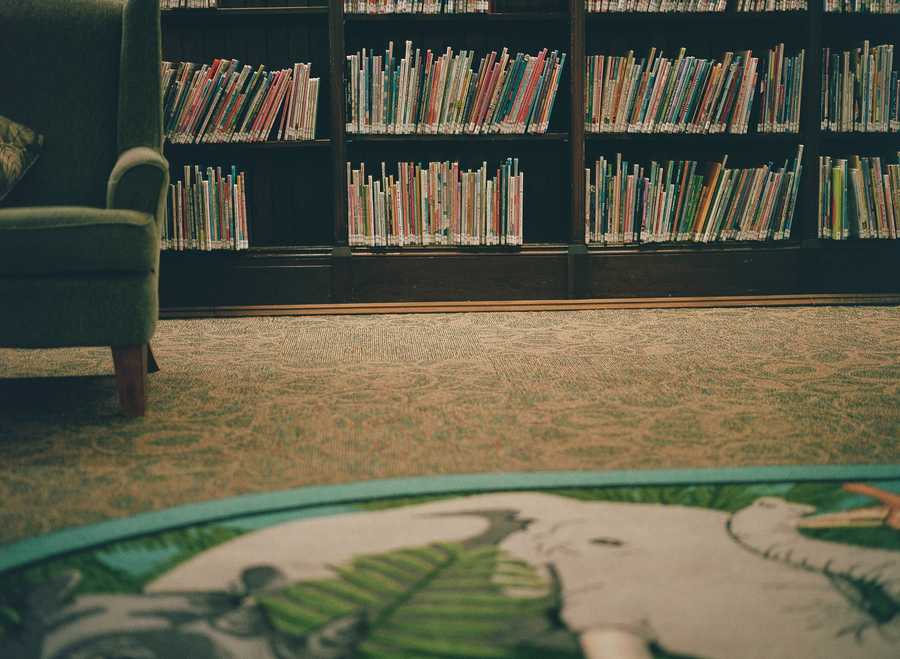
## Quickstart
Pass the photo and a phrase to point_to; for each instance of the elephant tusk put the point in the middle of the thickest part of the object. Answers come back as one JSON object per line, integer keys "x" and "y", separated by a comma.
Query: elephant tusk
{"x": 612, "y": 643}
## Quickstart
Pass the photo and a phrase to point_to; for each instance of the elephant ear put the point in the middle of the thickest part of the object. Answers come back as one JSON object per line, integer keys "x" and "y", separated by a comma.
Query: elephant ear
{"x": 443, "y": 600}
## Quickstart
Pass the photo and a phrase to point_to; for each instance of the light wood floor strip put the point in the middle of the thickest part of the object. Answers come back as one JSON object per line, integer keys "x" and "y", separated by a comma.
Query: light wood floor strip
{"x": 533, "y": 305}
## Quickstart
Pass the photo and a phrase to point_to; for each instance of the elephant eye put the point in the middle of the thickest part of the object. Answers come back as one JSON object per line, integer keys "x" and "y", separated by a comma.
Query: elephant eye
{"x": 607, "y": 542}
{"x": 767, "y": 504}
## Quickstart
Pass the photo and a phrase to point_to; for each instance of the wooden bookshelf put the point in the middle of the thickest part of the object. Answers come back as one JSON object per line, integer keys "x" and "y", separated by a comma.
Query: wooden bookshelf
{"x": 297, "y": 194}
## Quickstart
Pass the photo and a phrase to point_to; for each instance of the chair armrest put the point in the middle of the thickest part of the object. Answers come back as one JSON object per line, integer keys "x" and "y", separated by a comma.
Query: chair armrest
{"x": 139, "y": 181}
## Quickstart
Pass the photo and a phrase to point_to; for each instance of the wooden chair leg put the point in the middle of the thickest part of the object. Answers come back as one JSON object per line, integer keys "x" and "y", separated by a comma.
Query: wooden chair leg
{"x": 131, "y": 377}
{"x": 152, "y": 366}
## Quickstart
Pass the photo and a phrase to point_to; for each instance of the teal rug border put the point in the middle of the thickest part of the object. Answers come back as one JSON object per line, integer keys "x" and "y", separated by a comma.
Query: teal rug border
{"x": 25, "y": 552}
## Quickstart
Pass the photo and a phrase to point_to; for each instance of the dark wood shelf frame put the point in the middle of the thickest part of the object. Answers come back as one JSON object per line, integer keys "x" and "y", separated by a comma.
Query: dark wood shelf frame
{"x": 467, "y": 19}
{"x": 299, "y": 224}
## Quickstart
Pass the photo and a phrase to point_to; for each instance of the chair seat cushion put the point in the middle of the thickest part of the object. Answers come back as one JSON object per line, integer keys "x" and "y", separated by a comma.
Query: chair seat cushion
{"x": 50, "y": 240}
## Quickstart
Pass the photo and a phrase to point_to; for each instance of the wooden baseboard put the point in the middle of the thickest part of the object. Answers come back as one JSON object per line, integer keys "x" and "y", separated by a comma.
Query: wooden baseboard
{"x": 532, "y": 305}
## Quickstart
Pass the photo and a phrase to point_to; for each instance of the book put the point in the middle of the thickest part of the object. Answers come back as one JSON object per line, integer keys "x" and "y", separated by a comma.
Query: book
{"x": 860, "y": 90}
{"x": 188, "y": 4}
{"x": 654, "y": 6}
{"x": 660, "y": 94}
{"x": 206, "y": 210}
{"x": 683, "y": 201}
{"x": 435, "y": 203}
{"x": 228, "y": 102}
{"x": 862, "y": 6}
{"x": 416, "y": 6}
{"x": 430, "y": 93}
{"x": 781, "y": 92}
{"x": 771, "y": 5}
{"x": 859, "y": 198}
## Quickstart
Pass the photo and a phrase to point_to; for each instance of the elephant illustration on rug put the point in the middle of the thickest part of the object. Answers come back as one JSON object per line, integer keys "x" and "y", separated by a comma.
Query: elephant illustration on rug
{"x": 526, "y": 574}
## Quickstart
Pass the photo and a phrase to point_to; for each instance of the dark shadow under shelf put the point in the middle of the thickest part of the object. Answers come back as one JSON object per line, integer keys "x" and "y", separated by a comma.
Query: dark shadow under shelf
{"x": 206, "y": 16}
{"x": 693, "y": 19}
{"x": 462, "y": 139}
{"x": 468, "y": 19}
{"x": 249, "y": 146}
{"x": 869, "y": 142}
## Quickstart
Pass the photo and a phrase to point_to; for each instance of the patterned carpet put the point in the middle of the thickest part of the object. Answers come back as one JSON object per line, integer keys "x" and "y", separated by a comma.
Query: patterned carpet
{"x": 252, "y": 405}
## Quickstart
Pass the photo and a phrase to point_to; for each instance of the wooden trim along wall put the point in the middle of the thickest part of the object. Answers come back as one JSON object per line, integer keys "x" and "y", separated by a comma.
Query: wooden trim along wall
{"x": 533, "y": 305}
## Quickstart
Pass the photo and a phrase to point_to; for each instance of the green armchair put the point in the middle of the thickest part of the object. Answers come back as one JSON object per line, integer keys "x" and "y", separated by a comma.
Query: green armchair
{"x": 79, "y": 235}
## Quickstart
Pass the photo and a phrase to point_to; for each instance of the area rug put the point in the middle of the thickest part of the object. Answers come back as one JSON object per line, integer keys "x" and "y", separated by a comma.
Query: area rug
{"x": 766, "y": 562}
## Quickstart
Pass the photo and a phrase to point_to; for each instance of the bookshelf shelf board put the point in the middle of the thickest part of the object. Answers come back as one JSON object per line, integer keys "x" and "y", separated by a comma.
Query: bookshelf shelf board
{"x": 205, "y": 16}
{"x": 865, "y": 141}
{"x": 875, "y": 244}
{"x": 730, "y": 18}
{"x": 250, "y": 146}
{"x": 836, "y": 21}
{"x": 693, "y": 248}
{"x": 469, "y": 19}
{"x": 279, "y": 251}
{"x": 695, "y": 140}
{"x": 462, "y": 139}
{"x": 460, "y": 250}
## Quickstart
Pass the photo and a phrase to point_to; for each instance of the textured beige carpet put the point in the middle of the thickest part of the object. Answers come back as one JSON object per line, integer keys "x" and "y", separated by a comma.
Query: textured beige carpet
{"x": 250, "y": 405}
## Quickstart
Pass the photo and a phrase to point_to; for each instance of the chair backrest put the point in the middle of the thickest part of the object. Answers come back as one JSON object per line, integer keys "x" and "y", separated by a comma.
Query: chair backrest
{"x": 73, "y": 70}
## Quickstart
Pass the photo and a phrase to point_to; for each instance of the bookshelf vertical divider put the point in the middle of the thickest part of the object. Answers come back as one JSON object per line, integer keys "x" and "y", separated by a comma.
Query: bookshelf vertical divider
{"x": 338, "y": 138}
{"x": 810, "y": 128}
{"x": 576, "y": 122}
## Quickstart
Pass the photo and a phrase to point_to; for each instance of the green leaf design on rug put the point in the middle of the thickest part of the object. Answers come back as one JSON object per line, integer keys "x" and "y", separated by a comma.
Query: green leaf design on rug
{"x": 440, "y": 601}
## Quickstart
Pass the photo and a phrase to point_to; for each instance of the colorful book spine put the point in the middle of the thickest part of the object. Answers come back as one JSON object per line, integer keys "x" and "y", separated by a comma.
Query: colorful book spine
{"x": 771, "y": 5}
{"x": 860, "y": 90}
{"x": 654, "y": 6}
{"x": 781, "y": 92}
{"x": 679, "y": 201}
{"x": 858, "y": 198}
{"x": 227, "y": 102}
{"x": 658, "y": 94}
{"x": 862, "y": 6}
{"x": 431, "y": 93}
{"x": 435, "y": 203}
{"x": 188, "y": 4}
{"x": 206, "y": 211}
{"x": 416, "y": 6}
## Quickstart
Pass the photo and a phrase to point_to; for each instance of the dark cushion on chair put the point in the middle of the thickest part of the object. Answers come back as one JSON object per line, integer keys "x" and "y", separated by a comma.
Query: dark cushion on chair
{"x": 19, "y": 148}
{"x": 49, "y": 240}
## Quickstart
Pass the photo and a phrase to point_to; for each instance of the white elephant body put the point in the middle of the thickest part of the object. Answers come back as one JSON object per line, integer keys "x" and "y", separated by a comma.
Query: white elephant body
{"x": 660, "y": 573}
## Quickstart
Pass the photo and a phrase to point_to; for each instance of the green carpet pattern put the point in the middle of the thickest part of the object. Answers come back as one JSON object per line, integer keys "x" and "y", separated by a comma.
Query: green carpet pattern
{"x": 262, "y": 404}
{"x": 565, "y": 565}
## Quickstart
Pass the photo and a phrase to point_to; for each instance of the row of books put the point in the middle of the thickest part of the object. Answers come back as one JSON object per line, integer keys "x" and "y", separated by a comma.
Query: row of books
{"x": 206, "y": 211}
{"x": 675, "y": 201}
{"x": 416, "y": 6}
{"x": 436, "y": 203}
{"x": 188, "y": 4}
{"x": 781, "y": 92}
{"x": 593, "y": 6}
{"x": 772, "y": 5}
{"x": 227, "y": 102}
{"x": 654, "y": 6}
{"x": 860, "y": 90}
{"x": 658, "y": 94}
{"x": 862, "y": 6}
{"x": 443, "y": 93}
{"x": 858, "y": 198}
{"x": 693, "y": 6}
